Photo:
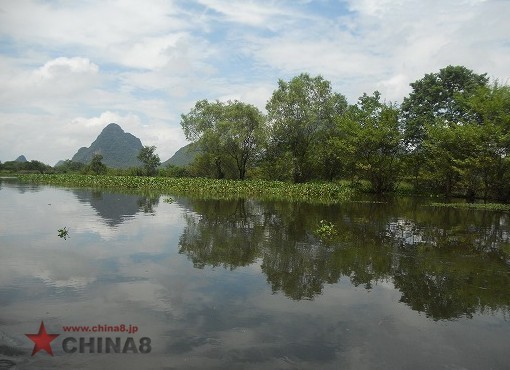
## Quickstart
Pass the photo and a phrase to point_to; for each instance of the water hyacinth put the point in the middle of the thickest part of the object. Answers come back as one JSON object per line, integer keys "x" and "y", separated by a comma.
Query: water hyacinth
{"x": 204, "y": 188}
{"x": 476, "y": 206}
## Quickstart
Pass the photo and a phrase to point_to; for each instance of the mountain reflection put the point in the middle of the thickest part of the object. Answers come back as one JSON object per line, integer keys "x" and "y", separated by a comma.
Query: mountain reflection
{"x": 116, "y": 208}
{"x": 446, "y": 263}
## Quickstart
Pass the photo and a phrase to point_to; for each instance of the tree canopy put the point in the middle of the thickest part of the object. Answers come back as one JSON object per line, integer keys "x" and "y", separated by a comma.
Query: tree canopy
{"x": 229, "y": 135}
{"x": 450, "y": 136}
{"x": 299, "y": 113}
{"x": 149, "y": 159}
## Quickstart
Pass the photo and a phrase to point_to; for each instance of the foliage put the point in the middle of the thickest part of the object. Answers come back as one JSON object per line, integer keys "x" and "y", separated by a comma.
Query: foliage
{"x": 149, "y": 159}
{"x": 325, "y": 230}
{"x": 25, "y": 167}
{"x": 476, "y": 206}
{"x": 438, "y": 98}
{"x": 470, "y": 158}
{"x": 207, "y": 188}
{"x": 63, "y": 233}
{"x": 96, "y": 166}
{"x": 300, "y": 114}
{"x": 371, "y": 142}
{"x": 175, "y": 171}
{"x": 226, "y": 133}
{"x": 69, "y": 166}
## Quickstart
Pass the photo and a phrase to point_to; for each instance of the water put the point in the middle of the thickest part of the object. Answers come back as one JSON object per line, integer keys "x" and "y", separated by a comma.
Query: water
{"x": 247, "y": 284}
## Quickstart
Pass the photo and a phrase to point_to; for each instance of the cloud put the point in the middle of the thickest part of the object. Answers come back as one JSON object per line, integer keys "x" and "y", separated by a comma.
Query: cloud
{"x": 61, "y": 78}
{"x": 59, "y": 67}
{"x": 260, "y": 13}
{"x": 79, "y": 62}
{"x": 387, "y": 44}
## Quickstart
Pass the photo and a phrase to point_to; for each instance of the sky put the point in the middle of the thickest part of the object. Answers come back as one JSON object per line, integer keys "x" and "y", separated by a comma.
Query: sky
{"x": 68, "y": 68}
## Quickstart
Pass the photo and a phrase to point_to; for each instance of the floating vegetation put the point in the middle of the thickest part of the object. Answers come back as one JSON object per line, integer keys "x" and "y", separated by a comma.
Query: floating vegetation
{"x": 204, "y": 188}
{"x": 169, "y": 200}
{"x": 326, "y": 230}
{"x": 63, "y": 233}
{"x": 477, "y": 206}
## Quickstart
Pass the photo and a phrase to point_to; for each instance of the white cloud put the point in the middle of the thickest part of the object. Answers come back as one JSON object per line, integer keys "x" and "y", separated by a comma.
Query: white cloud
{"x": 62, "y": 78}
{"x": 254, "y": 13}
{"x": 388, "y": 44}
{"x": 56, "y": 68}
{"x": 80, "y": 64}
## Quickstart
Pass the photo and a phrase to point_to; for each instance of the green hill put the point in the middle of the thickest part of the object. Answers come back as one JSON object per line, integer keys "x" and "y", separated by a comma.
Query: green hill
{"x": 183, "y": 157}
{"x": 118, "y": 148}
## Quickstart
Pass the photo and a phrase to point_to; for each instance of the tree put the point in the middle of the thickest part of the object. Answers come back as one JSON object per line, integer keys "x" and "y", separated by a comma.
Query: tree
{"x": 69, "y": 166}
{"x": 299, "y": 112}
{"x": 371, "y": 142}
{"x": 436, "y": 99}
{"x": 227, "y": 133}
{"x": 439, "y": 98}
{"x": 490, "y": 162}
{"x": 96, "y": 166}
{"x": 149, "y": 159}
{"x": 470, "y": 158}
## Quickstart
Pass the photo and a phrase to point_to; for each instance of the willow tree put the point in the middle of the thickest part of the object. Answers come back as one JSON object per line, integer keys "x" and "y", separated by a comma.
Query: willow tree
{"x": 299, "y": 113}
{"x": 231, "y": 132}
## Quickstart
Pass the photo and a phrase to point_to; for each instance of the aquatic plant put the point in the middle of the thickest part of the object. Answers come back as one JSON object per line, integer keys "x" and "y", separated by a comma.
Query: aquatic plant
{"x": 205, "y": 188}
{"x": 63, "y": 233}
{"x": 325, "y": 230}
{"x": 476, "y": 206}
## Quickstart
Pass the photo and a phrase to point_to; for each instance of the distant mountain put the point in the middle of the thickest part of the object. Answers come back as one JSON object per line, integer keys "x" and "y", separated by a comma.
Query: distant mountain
{"x": 21, "y": 158}
{"x": 118, "y": 148}
{"x": 183, "y": 157}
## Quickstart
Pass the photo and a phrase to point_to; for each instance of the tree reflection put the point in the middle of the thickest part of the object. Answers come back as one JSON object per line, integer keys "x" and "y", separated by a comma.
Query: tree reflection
{"x": 447, "y": 263}
{"x": 224, "y": 233}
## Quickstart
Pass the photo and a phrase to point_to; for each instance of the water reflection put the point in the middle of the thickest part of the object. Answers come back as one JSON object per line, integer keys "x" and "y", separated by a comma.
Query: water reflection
{"x": 116, "y": 208}
{"x": 447, "y": 264}
{"x": 248, "y": 284}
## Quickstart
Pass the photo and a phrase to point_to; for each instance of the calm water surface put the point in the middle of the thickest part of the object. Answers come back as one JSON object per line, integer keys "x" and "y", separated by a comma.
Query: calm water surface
{"x": 247, "y": 284}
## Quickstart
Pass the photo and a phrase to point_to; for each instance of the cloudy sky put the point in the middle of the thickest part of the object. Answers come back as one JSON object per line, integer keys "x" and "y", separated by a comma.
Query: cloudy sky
{"x": 68, "y": 68}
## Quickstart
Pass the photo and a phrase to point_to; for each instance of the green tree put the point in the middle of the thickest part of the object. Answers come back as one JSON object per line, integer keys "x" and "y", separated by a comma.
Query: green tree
{"x": 490, "y": 162}
{"x": 300, "y": 112}
{"x": 439, "y": 98}
{"x": 149, "y": 159}
{"x": 371, "y": 143}
{"x": 69, "y": 166}
{"x": 470, "y": 158}
{"x": 96, "y": 166}
{"x": 229, "y": 134}
{"x": 436, "y": 99}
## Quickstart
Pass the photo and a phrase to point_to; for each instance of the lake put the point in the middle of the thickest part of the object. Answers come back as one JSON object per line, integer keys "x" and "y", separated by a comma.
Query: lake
{"x": 149, "y": 281}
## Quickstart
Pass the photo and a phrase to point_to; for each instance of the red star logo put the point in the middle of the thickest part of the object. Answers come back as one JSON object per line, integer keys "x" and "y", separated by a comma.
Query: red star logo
{"x": 42, "y": 340}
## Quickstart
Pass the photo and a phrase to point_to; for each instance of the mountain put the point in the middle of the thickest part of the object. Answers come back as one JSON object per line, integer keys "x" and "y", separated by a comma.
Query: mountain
{"x": 21, "y": 158}
{"x": 118, "y": 148}
{"x": 183, "y": 157}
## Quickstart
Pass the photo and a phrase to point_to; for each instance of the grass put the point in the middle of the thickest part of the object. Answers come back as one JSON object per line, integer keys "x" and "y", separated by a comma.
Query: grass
{"x": 477, "y": 206}
{"x": 205, "y": 188}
